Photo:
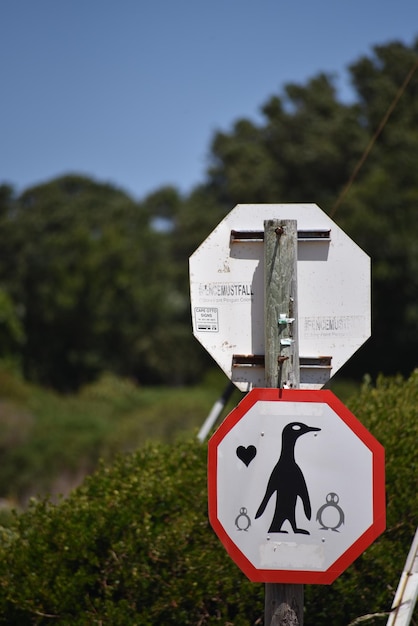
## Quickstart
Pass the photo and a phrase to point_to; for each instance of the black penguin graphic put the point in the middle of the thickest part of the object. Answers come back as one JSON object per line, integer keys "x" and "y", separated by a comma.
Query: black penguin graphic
{"x": 287, "y": 482}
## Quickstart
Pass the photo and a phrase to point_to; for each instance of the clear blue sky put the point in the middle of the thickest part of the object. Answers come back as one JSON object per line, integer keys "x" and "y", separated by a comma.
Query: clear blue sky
{"x": 131, "y": 91}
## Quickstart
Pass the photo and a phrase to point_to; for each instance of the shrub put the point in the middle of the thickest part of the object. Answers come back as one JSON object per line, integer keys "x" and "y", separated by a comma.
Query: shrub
{"x": 389, "y": 411}
{"x": 132, "y": 546}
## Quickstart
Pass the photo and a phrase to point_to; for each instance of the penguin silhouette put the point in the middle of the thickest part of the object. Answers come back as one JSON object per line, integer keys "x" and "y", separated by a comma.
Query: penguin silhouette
{"x": 332, "y": 500}
{"x": 287, "y": 483}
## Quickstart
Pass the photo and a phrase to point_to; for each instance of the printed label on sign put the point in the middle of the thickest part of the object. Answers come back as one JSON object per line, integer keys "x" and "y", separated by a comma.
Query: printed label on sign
{"x": 341, "y": 325}
{"x": 206, "y": 319}
{"x": 225, "y": 292}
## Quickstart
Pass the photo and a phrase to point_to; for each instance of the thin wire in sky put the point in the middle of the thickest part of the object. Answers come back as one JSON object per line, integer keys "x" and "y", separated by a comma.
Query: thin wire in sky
{"x": 373, "y": 140}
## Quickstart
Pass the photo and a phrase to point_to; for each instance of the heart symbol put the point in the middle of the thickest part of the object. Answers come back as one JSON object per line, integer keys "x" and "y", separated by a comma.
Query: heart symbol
{"x": 246, "y": 455}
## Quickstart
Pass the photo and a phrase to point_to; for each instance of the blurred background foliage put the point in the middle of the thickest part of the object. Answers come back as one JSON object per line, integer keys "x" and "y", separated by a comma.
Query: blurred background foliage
{"x": 92, "y": 281}
{"x": 49, "y": 442}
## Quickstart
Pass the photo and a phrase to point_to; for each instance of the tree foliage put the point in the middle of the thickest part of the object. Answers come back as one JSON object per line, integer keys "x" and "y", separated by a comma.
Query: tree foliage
{"x": 308, "y": 148}
{"x": 94, "y": 284}
{"x": 97, "y": 282}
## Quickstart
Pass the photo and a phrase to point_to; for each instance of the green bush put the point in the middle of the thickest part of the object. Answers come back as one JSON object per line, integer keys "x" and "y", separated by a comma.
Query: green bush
{"x": 389, "y": 411}
{"x": 133, "y": 545}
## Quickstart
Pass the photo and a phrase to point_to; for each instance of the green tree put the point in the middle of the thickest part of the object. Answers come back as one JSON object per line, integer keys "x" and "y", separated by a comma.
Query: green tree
{"x": 11, "y": 330}
{"x": 171, "y": 348}
{"x": 306, "y": 150}
{"x": 81, "y": 261}
{"x": 380, "y": 210}
{"x": 100, "y": 282}
{"x": 305, "y": 147}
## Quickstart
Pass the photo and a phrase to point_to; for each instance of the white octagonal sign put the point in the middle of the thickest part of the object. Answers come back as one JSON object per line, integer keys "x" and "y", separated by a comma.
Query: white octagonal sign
{"x": 296, "y": 486}
{"x": 227, "y": 293}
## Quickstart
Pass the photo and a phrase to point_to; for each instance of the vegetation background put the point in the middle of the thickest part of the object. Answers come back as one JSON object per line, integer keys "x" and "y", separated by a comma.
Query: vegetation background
{"x": 98, "y": 358}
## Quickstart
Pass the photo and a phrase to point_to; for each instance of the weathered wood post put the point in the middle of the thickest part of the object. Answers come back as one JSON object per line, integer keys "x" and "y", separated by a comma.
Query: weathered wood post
{"x": 283, "y": 602}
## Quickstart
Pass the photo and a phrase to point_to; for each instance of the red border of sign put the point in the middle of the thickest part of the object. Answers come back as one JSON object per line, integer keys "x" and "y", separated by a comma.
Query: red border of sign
{"x": 379, "y": 501}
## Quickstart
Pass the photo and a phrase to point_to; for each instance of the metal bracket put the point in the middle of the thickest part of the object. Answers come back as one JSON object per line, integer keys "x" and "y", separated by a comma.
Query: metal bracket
{"x": 283, "y": 319}
{"x": 315, "y": 362}
{"x": 251, "y": 236}
{"x": 248, "y": 360}
{"x": 305, "y": 362}
{"x": 286, "y": 341}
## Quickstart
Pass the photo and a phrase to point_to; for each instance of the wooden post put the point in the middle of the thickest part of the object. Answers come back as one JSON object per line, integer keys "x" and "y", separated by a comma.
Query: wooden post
{"x": 283, "y": 602}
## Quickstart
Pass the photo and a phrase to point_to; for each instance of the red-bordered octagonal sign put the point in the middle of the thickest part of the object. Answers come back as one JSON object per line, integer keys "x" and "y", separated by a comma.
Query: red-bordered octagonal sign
{"x": 296, "y": 486}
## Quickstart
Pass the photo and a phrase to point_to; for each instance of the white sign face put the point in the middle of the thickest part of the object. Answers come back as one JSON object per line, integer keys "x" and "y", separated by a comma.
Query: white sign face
{"x": 295, "y": 486}
{"x": 227, "y": 294}
{"x": 335, "y": 470}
